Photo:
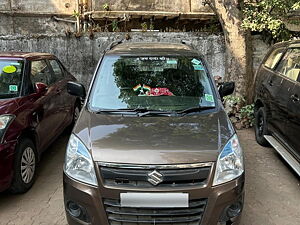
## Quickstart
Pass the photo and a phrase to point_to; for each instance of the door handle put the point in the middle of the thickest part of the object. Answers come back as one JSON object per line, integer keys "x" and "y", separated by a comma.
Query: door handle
{"x": 295, "y": 98}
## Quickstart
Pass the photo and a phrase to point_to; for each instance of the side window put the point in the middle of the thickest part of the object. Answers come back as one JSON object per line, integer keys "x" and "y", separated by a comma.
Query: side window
{"x": 58, "y": 73}
{"x": 40, "y": 72}
{"x": 274, "y": 58}
{"x": 290, "y": 64}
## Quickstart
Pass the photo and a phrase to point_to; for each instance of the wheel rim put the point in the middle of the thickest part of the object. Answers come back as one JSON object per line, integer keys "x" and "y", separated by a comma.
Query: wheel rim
{"x": 28, "y": 165}
{"x": 260, "y": 125}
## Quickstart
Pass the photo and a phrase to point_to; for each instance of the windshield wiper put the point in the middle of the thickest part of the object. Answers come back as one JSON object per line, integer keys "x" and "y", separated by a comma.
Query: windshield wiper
{"x": 122, "y": 111}
{"x": 155, "y": 113}
{"x": 138, "y": 111}
{"x": 194, "y": 109}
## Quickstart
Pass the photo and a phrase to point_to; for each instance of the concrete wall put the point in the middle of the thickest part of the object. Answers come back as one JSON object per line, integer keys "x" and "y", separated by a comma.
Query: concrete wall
{"x": 153, "y": 5}
{"x": 40, "y": 6}
{"x": 5, "y": 5}
{"x": 260, "y": 49}
{"x": 27, "y": 25}
{"x": 35, "y": 16}
{"x": 15, "y": 16}
{"x": 80, "y": 56}
{"x": 67, "y": 6}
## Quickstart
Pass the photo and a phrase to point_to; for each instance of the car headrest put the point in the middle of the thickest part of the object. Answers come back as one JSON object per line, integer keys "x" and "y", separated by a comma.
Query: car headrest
{"x": 293, "y": 74}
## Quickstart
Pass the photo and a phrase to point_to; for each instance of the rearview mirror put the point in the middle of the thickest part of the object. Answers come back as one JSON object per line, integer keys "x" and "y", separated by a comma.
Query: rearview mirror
{"x": 226, "y": 88}
{"x": 40, "y": 87}
{"x": 76, "y": 89}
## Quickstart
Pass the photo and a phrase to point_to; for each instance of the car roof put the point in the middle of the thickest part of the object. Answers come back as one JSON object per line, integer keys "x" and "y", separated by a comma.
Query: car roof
{"x": 295, "y": 44}
{"x": 288, "y": 44}
{"x": 154, "y": 48}
{"x": 25, "y": 55}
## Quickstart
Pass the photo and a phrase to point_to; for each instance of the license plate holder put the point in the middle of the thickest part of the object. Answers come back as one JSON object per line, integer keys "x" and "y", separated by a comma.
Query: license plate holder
{"x": 154, "y": 200}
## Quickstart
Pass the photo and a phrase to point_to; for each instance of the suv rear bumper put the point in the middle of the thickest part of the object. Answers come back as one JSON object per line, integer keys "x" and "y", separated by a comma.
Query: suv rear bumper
{"x": 90, "y": 199}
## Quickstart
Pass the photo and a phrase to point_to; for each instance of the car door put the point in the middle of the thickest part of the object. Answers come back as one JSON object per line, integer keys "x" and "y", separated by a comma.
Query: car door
{"x": 293, "y": 125}
{"x": 273, "y": 86}
{"x": 66, "y": 101}
{"x": 47, "y": 103}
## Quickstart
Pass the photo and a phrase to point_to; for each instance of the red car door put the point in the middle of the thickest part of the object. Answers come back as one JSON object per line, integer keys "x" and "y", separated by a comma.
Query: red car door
{"x": 48, "y": 104}
{"x": 66, "y": 101}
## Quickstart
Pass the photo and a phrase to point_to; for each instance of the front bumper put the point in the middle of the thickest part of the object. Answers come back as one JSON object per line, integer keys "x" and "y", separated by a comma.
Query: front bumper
{"x": 90, "y": 198}
{"x": 6, "y": 164}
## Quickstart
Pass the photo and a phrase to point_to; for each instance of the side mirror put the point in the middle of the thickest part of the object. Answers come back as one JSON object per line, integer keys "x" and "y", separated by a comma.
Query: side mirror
{"x": 76, "y": 89}
{"x": 226, "y": 88}
{"x": 40, "y": 87}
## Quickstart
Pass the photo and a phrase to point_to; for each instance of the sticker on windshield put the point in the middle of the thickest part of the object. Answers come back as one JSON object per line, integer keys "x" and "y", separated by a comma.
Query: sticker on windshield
{"x": 209, "y": 98}
{"x": 198, "y": 67}
{"x": 160, "y": 91}
{"x": 145, "y": 90}
{"x": 196, "y": 61}
{"x": 9, "y": 69}
{"x": 171, "y": 62}
{"x": 144, "y": 58}
{"x": 13, "y": 88}
{"x": 142, "y": 90}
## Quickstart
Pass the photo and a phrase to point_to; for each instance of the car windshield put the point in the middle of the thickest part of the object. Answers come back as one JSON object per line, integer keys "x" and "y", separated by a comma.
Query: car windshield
{"x": 10, "y": 77}
{"x": 162, "y": 83}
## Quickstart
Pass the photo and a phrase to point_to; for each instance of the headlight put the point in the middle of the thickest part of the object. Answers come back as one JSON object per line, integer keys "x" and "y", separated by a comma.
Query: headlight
{"x": 5, "y": 120}
{"x": 79, "y": 163}
{"x": 230, "y": 164}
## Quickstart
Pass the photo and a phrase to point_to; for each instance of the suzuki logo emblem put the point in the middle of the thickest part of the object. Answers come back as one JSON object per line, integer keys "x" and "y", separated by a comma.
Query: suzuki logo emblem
{"x": 155, "y": 177}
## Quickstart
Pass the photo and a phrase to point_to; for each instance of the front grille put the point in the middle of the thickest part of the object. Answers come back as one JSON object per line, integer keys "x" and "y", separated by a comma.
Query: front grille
{"x": 138, "y": 177}
{"x": 118, "y": 215}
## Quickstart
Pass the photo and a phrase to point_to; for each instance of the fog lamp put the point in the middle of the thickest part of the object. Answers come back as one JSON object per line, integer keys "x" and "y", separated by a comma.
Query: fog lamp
{"x": 234, "y": 210}
{"x": 231, "y": 212}
{"x": 74, "y": 209}
{"x": 77, "y": 211}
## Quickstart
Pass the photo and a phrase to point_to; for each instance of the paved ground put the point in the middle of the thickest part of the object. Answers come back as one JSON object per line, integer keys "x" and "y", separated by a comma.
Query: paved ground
{"x": 272, "y": 190}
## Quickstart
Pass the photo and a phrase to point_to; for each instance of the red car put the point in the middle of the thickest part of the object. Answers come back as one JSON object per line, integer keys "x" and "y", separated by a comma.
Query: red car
{"x": 35, "y": 109}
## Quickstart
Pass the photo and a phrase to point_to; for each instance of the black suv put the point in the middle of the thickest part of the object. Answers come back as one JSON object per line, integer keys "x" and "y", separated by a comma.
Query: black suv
{"x": 277, "y": 102}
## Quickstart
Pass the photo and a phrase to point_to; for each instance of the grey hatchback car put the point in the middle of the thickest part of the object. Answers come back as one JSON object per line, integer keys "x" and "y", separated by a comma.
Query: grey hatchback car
{"x": 153, "y": 144}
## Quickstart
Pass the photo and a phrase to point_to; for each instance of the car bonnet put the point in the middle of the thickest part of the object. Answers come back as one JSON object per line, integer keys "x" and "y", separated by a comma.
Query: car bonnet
{"x": 154, "y": 140}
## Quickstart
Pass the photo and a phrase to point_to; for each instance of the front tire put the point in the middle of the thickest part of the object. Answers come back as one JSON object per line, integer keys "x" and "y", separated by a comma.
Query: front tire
{"x": 261, "y": 127}
{"x": 24, "y": 167}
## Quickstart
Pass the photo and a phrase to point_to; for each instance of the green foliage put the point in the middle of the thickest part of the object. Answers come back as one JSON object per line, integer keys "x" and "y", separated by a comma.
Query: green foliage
{"x": 241, "y": 115}
{"x": 234, "y": 100}
{"x": 105, "y": 6}
{"x": 151, "y": 27}
{"x": 268, "y": 16}
{"x": 247, "y": 114}
{"x": 144, "y": 26}
{"x": 114, "y": 25}
{"x": 75, "y": 14}
{"x": 296, "y": 6}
